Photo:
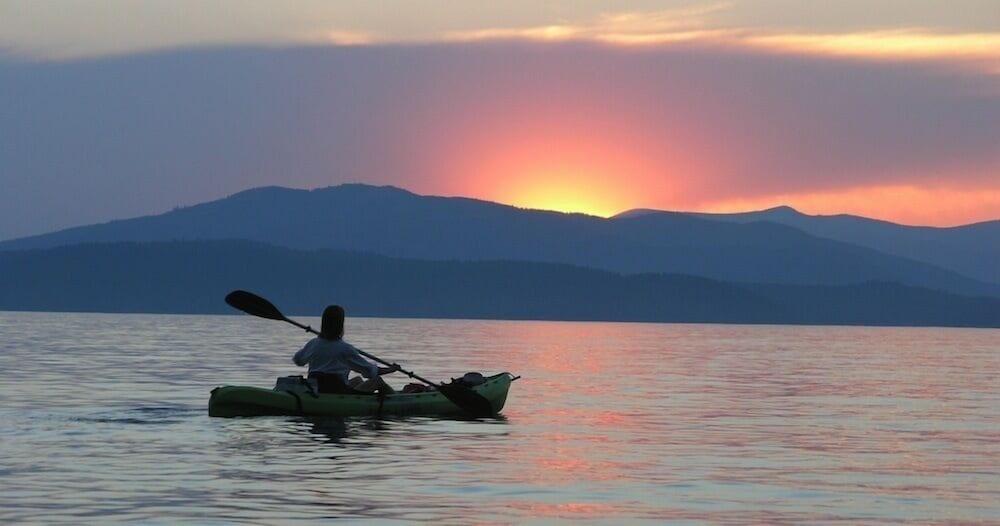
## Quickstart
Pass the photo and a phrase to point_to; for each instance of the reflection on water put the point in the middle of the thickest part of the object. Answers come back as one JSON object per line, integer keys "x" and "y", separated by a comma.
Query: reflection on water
{"x": 105, "y": 418}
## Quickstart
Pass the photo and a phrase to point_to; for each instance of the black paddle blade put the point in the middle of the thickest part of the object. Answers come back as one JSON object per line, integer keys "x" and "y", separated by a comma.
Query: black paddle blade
{"x": 470, "y": 401}
{"x": 253, "y": 304}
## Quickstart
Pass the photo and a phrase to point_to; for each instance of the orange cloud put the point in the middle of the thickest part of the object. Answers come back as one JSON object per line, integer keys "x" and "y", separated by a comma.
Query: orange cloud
{"x": 347, "y": 38}
{"x": 669, "y": 25}
{"x": 695, "y": 24}
{"x": 894, "y": 45}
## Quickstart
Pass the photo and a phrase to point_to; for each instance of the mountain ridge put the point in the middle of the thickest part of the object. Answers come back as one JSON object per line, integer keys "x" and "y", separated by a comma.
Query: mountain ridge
{"x": 395, "y": 222}
{"x": 193, "y": 276}
{"x": 972, "y": 249}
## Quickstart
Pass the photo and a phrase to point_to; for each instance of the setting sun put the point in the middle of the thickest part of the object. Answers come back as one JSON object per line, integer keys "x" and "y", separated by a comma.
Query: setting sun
{"x": 565, "y": 192}
{"x": 563, "y": 161}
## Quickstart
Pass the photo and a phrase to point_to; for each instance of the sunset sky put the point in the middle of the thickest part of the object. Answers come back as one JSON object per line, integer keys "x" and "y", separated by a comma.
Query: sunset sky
{"x": 888, "y": 109}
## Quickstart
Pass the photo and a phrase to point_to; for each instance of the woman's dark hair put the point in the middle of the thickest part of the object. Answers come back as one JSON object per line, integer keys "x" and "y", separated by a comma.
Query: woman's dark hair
{"x": 333, "y": 323}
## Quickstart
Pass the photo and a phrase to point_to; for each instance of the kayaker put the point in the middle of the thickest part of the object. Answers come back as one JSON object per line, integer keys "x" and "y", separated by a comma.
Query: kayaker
{"x": 331, "y": 359}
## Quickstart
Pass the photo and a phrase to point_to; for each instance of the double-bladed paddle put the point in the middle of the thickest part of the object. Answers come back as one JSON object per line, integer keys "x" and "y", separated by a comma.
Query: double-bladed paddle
{"x": 465, "y": 398}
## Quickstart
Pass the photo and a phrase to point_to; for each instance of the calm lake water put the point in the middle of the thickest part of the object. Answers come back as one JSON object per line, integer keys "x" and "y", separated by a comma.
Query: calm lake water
{"x": 104, "y": 419}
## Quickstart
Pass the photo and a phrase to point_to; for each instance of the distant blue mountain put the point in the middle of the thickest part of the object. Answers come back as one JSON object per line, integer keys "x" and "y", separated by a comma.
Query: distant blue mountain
{"x": 193, "y": 277}
{"x": 972, "y": 250}
{"x": 394, "y": 222}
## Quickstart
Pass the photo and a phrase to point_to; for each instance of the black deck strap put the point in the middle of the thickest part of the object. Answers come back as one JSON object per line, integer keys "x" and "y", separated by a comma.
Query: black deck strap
{"x": 298, "y": 401}
{"x": 381, "y": 400}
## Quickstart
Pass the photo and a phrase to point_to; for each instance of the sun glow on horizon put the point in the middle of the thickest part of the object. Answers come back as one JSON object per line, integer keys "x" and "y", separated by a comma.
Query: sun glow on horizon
{"x": 547, "y": 195}
{"x": 904, "y": 204}
{"x": 566, "y": 189}
{"x": 590, "y": 161}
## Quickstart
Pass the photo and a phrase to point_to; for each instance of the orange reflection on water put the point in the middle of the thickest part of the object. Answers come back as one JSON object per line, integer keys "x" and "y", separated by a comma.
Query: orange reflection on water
{"x": 558, "y": 349}
{"x": 567, "y": 509}
{"x": 762, "y": 407}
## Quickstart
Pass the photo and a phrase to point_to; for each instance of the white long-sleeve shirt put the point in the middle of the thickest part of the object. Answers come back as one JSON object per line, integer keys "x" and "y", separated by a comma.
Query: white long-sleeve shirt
{"x": 334, "y": 357}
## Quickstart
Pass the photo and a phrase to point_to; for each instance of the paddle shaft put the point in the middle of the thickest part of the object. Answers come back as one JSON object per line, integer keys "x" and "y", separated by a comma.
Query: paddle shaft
{"x": 411, "y": 374}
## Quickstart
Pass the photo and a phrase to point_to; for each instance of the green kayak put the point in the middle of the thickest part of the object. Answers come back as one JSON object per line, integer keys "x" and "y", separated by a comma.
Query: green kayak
{"x": 230, "y": 400}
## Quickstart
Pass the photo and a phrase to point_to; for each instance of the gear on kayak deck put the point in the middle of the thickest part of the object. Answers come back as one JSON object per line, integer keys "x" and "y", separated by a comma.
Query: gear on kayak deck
{"x": 470, "y": 379}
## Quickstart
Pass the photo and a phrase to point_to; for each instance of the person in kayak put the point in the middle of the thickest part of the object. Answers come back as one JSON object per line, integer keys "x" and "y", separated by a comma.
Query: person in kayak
{"x": 331, "y": 359}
